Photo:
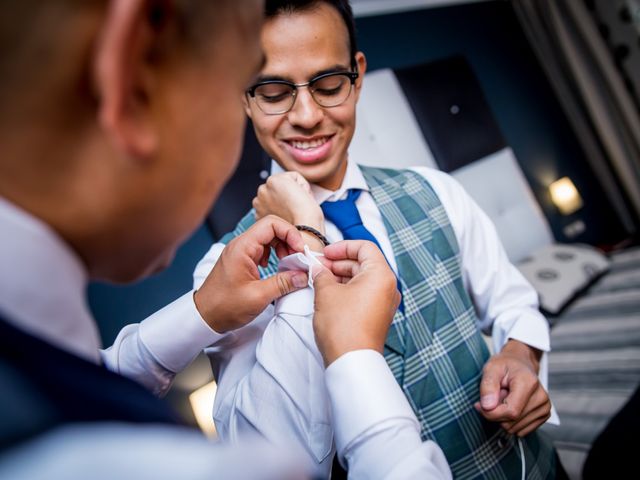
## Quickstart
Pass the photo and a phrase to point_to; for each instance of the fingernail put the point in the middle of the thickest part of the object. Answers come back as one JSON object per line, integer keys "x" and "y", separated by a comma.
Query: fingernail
{"x": 487, "y": 401}
{"x": 299, "y": 280}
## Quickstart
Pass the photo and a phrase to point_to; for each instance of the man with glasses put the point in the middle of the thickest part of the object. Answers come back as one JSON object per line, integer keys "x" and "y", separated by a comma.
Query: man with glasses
{"x": 109, "y": 161}
{"x": 452, "y": 272}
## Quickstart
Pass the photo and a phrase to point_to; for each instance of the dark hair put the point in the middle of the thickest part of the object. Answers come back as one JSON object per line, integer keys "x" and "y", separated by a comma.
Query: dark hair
{"x": 277, "y": 7}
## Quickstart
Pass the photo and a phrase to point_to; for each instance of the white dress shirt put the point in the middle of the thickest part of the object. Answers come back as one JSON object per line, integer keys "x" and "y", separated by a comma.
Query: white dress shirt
{"x": 42, "y": 292}
{"x": 506, "y": 304}
{"x": 274, "y": 384}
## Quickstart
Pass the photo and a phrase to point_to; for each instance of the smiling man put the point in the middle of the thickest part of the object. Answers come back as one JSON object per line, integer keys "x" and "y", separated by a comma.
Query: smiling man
{"x": 455, "y": 279}
{"x": 452, "y": 271}
{"x": 121, "y": 122}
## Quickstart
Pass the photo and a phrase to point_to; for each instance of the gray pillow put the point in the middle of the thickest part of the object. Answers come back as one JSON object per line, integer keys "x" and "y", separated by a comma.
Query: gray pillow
{"x": 560, "y": 272}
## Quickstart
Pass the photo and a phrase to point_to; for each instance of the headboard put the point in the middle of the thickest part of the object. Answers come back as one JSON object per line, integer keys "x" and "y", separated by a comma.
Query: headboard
{"x": 436, "y": 115}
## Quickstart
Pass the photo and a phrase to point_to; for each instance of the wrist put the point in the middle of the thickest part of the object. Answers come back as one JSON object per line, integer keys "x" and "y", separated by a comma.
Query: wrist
{"x": 314, "y": 221}
{"x": 206, "y": 312}
{"x": 314, "y": 243}
{"x": 524, "y": 352}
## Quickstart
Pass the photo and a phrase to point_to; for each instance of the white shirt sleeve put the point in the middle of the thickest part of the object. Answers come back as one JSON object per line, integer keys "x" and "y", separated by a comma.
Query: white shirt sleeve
{"x": 377, "y": 434}
{"x": 102, "y": 451}
{"x": 164, "y": 344}
{"x": 271, "y": 383}
{"x": 505, "y": 302}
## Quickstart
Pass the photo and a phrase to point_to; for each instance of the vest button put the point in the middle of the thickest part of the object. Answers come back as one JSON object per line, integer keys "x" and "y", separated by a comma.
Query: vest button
{"x": 501, "y": 443}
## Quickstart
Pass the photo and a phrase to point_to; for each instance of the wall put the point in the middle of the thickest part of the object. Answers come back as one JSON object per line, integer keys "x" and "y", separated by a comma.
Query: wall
{"x": 489, "y": 36}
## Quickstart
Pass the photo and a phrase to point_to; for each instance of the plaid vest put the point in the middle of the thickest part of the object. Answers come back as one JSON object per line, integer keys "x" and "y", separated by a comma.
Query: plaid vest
{"x": 435, "y": 349}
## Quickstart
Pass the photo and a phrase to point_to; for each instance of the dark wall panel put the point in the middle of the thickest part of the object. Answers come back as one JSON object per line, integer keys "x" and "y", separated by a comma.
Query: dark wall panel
{"x": 528, "y": 114}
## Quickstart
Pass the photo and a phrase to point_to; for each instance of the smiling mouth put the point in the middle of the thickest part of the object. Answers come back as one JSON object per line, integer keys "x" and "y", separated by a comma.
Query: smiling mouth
{"x": 308, "y": 144}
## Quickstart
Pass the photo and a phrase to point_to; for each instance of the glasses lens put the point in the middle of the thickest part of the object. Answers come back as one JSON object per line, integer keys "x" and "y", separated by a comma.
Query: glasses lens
{"x": 332, "y": 90}
{"x": 274, "y": 97}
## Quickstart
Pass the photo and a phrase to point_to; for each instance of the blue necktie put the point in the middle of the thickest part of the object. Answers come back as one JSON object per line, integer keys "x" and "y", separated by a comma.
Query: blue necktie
{"x": 345, "y": 216}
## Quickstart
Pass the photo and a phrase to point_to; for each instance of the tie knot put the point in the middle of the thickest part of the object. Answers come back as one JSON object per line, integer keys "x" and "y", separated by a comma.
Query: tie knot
{"x": 343, "y": 213}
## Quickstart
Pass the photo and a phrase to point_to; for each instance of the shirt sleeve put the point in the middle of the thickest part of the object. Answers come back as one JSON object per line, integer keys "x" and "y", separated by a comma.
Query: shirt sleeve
{"x": 106, "y": 451}
{"x": 505, "y": 302}
{"x": 164, "y": 344}
{"x": 377, "y": 434}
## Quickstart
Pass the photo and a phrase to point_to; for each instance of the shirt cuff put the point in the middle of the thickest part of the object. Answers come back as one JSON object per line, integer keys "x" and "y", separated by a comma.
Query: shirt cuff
{"x": 529, "y": 328}
{"x": 176, "y": 334}
{"x": 363, "y": 393}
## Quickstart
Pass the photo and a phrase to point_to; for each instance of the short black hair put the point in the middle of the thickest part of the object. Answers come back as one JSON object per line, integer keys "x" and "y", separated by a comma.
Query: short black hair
{"x": 274, "y": 8}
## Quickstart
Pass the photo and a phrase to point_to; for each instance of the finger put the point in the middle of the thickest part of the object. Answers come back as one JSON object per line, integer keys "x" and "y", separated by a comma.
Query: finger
{"x": 492, "y": 378}
{"x": 539, "y": 400}
{"x": 279, "y": 285}
{"x": 533, "y": 420}
{"x": 345, "y": 268}
{"x": 271, "y": 228}
{"x": 522, "y": 389}
{"x": 323, "y": 278}
{"x": 359, "y": 250}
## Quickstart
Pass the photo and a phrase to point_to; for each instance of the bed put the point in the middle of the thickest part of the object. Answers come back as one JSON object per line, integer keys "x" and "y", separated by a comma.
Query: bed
{"x": 592, "y": 300}
{"x": 595, "y": 363}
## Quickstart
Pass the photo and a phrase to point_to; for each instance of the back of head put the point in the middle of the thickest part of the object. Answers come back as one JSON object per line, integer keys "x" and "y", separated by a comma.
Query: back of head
{"x": 106, "y": 119}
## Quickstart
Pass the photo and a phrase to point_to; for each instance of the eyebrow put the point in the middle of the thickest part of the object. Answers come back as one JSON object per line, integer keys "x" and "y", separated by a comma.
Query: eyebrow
{"x": 333, "y": 69}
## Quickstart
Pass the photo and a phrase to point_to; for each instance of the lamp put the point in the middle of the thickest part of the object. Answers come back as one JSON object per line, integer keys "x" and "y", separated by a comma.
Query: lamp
{"x": 565, "y": 196}
{"x": 202, "y": 405}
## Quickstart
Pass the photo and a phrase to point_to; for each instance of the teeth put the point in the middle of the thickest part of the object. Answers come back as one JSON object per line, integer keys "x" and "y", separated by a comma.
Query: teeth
{"x": 306, "y": 145}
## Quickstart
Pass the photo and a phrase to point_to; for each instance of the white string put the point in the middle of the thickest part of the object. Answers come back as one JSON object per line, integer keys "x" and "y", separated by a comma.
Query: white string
{"x": 522, "y": 460}
{"x": 312, "y": 261}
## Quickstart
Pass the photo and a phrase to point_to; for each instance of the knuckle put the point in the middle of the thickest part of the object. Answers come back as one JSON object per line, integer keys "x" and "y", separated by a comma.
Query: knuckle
{"x": 284, "y": 286}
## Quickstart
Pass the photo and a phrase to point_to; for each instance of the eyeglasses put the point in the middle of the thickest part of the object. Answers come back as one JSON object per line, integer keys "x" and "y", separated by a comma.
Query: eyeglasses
{"x": 276, "y": 97}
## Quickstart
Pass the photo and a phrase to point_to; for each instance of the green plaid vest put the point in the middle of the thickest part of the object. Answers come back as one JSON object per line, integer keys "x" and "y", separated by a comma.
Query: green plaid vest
{"x": 435, "y": 349}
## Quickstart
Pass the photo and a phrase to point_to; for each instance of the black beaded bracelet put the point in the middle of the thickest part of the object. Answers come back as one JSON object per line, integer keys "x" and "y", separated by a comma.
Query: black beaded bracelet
{"x": 314, "y": 232}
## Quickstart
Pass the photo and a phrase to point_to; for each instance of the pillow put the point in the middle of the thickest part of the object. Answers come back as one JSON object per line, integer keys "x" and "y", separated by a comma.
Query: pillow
{"x": 559, "y": 273}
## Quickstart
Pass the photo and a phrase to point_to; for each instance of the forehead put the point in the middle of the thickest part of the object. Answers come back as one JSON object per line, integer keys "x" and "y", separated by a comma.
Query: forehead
{"x": 297, "y": 45}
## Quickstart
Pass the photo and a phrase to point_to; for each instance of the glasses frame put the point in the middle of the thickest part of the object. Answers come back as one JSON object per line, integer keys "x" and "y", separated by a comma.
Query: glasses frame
{"x": 251, "y": 91}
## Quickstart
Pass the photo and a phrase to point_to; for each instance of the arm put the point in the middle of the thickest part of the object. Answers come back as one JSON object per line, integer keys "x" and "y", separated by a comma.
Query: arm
{"x": 508, "y": 305}
{"x": 106, "y": 451}
{"x": 377, "y": 434}
{"x": 288, "y": 195}
{"x": 231, "y": 296}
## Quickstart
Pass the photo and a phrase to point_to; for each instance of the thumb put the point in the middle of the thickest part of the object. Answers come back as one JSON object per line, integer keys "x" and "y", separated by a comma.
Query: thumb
{"x": 281, "y": 284}
{"x": 322, "y": 278}
{"x": 490, "y": 387}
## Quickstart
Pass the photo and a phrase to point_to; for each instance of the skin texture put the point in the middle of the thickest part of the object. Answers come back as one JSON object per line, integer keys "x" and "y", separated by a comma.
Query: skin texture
{"x": 297, "y": 46}
{"x": 298, "y": 61}
{"x": 126, "y": 142}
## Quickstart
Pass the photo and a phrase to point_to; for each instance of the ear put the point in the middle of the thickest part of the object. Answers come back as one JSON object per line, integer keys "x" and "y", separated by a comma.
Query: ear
{"x": 361, "y": 62}
{"x": 123, "y": 77}
{"x": 245, "y": 103}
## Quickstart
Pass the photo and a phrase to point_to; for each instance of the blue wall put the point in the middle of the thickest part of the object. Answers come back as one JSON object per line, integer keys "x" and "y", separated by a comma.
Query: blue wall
{"x": 528, "y": 113}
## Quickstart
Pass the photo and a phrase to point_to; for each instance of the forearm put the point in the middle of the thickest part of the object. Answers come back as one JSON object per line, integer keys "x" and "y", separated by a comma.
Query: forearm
{"x": 164, "y": 344}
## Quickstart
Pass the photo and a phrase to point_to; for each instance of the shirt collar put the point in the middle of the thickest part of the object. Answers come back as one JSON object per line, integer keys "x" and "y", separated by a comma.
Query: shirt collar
{"x": 353, "y": 178}
{"x": 43, "y": 283}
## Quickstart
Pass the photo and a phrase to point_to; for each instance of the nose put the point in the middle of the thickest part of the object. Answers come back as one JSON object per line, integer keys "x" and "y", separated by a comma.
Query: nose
{"x": 306, "y": 113}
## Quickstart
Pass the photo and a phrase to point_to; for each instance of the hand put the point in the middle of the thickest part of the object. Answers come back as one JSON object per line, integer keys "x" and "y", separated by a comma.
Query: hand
{"x": 354, "y": 313}
{"x": 510, "y": 391}
{"x": 288, "y": 195}
{"x": 233, "y": 294}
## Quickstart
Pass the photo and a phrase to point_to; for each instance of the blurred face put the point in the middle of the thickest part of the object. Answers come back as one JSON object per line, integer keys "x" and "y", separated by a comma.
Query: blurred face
{"x": 309, "y": 139}
{"x": 201, "y": 121}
